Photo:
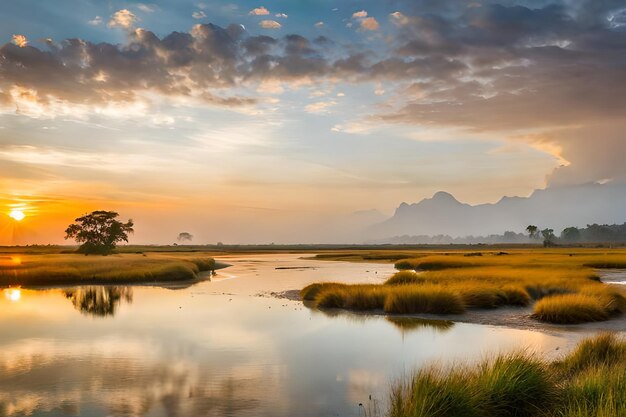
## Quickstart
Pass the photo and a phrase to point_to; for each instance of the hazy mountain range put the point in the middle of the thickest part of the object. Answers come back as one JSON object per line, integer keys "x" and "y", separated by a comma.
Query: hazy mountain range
{"x": 554, "y": 207}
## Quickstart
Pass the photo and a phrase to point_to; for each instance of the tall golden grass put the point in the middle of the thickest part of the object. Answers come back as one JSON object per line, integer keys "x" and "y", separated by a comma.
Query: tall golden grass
{"x": 590, "y": 381}
{"x": 561, "y": 284}
{"x": 67, "y": 269}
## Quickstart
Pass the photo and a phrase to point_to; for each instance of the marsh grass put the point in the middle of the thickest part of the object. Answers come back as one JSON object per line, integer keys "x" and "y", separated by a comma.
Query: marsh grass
{"x": 590, "y": 381}
{"x": 416, "y": 299}
{"x": 66, "y": 269}
{"x": 564, "y": 289}
{"x": 574, "y": 308}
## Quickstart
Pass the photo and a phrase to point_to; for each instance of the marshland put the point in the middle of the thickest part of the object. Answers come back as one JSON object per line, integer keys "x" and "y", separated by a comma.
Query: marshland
{"x": 239, "y": 340}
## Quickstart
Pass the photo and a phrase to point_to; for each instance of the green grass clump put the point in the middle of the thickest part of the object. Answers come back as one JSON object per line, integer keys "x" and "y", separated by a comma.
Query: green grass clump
{"x": 423, "y": 299}
{"x": 404, "y": 277}
{"x": 510, "y": 385}
{"x": 590, "y": 381}
{"x": 603, "y": 350}
{"x": 514, "y": 385}
{"x": 434, "y": 393}
{"x": 570, "y": 309}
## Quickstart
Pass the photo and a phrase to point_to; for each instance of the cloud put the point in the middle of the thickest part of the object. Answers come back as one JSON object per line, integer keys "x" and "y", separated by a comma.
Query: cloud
{"x": 123, "y": 18}
{"x": 320, "y": 107}
{"x": 399, "y": 19}
{"x": 259, "y": 11}
{"x": 319, "y": 25}
{"x": 281, "y": 15}
{"x": 198, "y": 15}
{"x": 369, "y": 23}
{"x": 359, "y": 15}
{"x": 96, "y": 21}
{"x": 270, "y": 24}
{"x": 20, "y": 40}
{"x": 550, "y": 76}
{"x": 147, "y": 8}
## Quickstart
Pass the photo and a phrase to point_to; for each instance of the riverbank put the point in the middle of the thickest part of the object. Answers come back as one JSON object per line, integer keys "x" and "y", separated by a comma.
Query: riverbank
{"x": 27, "y": 270}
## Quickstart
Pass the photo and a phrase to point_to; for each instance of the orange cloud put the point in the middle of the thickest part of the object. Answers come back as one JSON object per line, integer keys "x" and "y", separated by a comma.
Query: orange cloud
{"x": 20, "y": 40}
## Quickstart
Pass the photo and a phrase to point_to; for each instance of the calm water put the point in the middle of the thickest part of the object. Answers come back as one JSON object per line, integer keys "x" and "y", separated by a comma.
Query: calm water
{"x": 221, "y": 348}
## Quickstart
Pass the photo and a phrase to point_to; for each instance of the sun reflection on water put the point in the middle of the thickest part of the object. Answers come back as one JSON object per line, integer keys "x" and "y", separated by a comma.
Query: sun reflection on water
{"x": 13, "y": 294}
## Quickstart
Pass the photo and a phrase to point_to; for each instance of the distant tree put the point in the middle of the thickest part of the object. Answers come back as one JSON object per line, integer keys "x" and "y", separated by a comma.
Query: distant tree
{"x": 99, "y": 232}
{"x": 570, "y": 234}
{"x": 548, "y": 237}
{"x": 532, "y": 231}
{"x": 185, "y": 237}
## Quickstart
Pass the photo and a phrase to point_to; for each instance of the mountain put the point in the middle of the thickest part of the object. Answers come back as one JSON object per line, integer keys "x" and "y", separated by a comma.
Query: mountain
{"x": 554, "y": 207}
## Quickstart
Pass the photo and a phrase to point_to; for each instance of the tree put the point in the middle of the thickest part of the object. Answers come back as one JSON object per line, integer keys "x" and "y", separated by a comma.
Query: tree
{"x": 184, "y": 236}
{"x": 570, "y": 234}
{"x": 99, "y": 232}
{"x": 548, "y": 237}
{"x": 532, "y": 231}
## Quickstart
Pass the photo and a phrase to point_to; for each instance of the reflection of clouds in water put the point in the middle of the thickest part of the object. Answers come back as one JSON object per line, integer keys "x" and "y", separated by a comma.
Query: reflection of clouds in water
{"x": 99, "y": 301}
{"x": 362, "y": 383}
{"x": 120, "y": 380}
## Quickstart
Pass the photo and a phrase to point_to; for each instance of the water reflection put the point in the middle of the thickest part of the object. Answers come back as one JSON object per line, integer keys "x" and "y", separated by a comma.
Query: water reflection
{"x": 99, "y": 301}
{"x": 13, "y": 294}
{"x": 409, "y": 324}
{"x": 218, "y": 350}
{"x": 84, "y": 379}
{"x": 404, "y": 324}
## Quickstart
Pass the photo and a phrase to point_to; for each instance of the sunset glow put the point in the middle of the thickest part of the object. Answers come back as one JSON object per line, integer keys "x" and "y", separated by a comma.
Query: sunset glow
{"x": 17, "y": 215}
{"x": 208, "y": 117}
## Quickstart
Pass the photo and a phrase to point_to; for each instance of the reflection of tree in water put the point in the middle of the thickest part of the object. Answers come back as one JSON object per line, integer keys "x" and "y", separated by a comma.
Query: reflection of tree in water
{"x": 99, "y": 301}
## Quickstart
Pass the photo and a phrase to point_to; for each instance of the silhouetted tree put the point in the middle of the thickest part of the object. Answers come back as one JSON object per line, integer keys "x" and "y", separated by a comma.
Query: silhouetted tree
{"x": 99, "y": 232}
{"x": 185, "y": 237}
{"x": 548, "y": 237}
{"x": 532, "y": 231}
{"x": 570, "y": 234}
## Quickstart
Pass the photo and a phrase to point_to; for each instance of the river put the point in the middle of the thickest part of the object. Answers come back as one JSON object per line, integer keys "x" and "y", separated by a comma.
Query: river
{"x": 225, "y": 347}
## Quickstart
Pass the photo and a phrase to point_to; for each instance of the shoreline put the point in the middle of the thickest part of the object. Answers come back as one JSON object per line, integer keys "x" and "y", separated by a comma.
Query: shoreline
{"x": 511, "y": 317}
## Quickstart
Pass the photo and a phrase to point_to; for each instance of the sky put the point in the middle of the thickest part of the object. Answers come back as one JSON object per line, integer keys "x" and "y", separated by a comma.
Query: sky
{"x": 276, "y": 121}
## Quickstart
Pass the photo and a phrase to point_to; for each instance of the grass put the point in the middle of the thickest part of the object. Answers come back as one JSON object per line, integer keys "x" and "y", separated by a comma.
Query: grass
{"x": 570, "y": 309}
{"x": 68, "y": 269}
{"x": 423, "y": 299}
{"x": 559, "y": 284}
{"x": 590, "y": 381}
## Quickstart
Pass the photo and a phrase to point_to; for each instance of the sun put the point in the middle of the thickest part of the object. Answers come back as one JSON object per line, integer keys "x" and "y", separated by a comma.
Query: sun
{"x": 17, "y": 215}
